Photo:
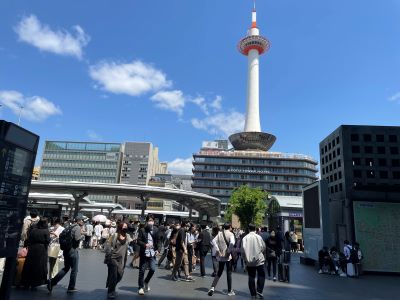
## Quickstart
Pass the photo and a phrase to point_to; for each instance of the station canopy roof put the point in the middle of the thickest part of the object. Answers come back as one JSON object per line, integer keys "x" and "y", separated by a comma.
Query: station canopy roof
{"x": 292, "y": 202}
{"x": 203, "y": 203}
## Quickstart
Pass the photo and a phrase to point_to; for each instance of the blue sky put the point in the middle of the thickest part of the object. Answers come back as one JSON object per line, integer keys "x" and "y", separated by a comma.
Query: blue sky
{"x": 168, "y": 72}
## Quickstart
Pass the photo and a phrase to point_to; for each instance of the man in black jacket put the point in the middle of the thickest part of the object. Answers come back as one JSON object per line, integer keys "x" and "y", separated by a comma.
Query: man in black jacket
{"x": 204, "y": 244}
{"x": 147, "y": 241}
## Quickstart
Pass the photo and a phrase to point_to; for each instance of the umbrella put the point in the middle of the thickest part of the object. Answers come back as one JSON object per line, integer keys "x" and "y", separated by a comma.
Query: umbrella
{"x": 99, "y": 218}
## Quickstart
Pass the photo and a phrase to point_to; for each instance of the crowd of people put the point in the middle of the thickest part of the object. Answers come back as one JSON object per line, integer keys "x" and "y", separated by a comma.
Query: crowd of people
{"x": 346, "y": 263}
{"x": 181, "y": 247}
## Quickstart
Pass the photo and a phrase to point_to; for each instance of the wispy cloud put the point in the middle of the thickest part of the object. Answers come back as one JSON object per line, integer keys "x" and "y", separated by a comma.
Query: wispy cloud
{"x": 94, "y": 136}
{"x": 180, "y": 166}
{"x": 33, "y": 108}
{"x": 170, "y": 100}
{"x": 133, "y": 79}
{"x": 395, "y": 97}
{"x": 221, "y": 123}
{"x": 41, "y": 36}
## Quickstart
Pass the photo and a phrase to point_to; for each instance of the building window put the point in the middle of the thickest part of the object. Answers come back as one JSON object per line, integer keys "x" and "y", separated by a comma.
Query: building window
{"x": 354, "y": 137}
{"x": 323, "y": 171}
{"x": 326, "y": 148}
{"x": 329, "y": 146}
{"x": 330, "y": 156}
{"x": 395, "y": 162}
{"x": 331, "y": 189}
{"x": 338, "y": 151}
{"x": 334, "y": 153}
{"x": 370, "y": 174}
{"x": 336, "y": 188}
{"x": 357, "y": 174}
{"x": 369, "y": 162}
{"x": 394, "y": 150}
{"x": 356, "y": 161}
{"x": 330, "y": 167}
{"x": 355, "y": 149}
{"x": 340, "y": 187}
{"x": 322, "y": 150}
{"x": 335, "y": 176}
{"x": 380, "y": 138}
{"x": 339, "y": 163}
{"x": 337, "y": 140}
{"x": 334, "y": 165}
{"x": 340, "y": 174}
{"x": 333, "y": 143}
{"x": 381, "y": 150}
{"x": 323, "y": 161}
{"x": 382, "y": 162}
{"x": 383, "y": 174}
{"x": 368, "y": 149}
{"x": 392, "y": 138}
{"x": 331, "y": 178}
{"x": 396, "y": 175}
{"x": 367, "y": 137}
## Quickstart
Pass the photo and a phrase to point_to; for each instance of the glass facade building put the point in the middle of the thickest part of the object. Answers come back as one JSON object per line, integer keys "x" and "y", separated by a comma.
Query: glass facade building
{"x": 82, "y": 161}
{"x": 219, "y": 172}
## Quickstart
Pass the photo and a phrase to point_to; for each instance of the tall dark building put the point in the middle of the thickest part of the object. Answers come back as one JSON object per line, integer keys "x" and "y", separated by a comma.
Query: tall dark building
{"x": 362, "y": 167}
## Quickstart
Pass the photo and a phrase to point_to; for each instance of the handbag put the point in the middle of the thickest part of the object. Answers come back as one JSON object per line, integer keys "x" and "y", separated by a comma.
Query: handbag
{"x": 54, "y": 250}
{"x": 23, "y": 252}
{"x": 227, "y": 253}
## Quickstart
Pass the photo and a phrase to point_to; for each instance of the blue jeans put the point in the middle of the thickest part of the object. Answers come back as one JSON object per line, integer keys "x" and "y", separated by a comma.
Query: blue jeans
{"x": 71, "y": 260}
{"x": 144, "y": 262}
{"x": 251, "y": 271}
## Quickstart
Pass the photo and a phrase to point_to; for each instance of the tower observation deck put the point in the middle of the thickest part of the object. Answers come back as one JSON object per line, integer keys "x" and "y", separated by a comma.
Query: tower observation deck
{"x": 253, "y": 45}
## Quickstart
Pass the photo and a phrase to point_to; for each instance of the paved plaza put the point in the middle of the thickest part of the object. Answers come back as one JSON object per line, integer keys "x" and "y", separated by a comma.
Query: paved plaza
{"x": 305, "y": 283}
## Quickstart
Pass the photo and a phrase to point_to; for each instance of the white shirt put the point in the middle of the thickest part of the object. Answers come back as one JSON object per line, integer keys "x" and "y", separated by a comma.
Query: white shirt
{"x": 346, "y": 251}
{"x": 98, "y": 229}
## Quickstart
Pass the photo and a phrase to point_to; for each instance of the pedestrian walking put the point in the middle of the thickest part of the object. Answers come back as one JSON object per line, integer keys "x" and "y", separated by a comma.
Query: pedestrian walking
{"x": 116, "y": 249}
{"x": 253, "y": 248}
{"x": 274, "y": 250}
{"x": 147, "y": 241}
{"x": 215, "y": 231}
{"x": 204, "y": 246}
{"x": 35, "y": 269}
{"x": 69, "y": 242}
{"x": 224, "y": 243}
{"x": 181, "y": 253}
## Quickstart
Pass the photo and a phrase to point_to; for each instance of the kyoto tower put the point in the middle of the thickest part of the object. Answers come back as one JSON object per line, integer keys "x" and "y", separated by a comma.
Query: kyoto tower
{"x": 253, "y": 45}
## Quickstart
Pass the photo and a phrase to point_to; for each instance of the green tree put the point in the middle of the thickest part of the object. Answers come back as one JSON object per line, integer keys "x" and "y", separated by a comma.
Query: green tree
{"x": 249, "y": 204}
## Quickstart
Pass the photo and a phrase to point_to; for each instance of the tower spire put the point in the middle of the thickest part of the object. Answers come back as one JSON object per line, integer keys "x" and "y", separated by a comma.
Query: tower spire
{"x": 254, "y": 16}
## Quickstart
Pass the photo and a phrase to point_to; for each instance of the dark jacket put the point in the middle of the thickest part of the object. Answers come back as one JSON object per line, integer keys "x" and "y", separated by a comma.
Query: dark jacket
{"x": 143, "y": 240}
{"x": 205, "y": 242}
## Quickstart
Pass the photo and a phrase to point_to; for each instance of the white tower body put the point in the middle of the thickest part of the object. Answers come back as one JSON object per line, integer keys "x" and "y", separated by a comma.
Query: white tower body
{"x": 252, "y": 138}
{"x": 252, "y": 123}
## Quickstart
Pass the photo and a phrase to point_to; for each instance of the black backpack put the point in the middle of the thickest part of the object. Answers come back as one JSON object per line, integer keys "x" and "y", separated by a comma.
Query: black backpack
{"x": 354, "y": 255}
{"x": 66, "y": 239}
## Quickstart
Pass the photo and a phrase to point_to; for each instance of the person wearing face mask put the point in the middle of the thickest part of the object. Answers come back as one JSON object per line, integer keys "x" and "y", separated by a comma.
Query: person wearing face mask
{"x": 147, "y": 241}
{"x": 116, "y": 249}
{"x": 182, "y": 254}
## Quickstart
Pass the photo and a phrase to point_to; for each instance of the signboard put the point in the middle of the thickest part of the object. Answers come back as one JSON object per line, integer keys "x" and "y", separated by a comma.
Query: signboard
{"x": 17, "y": 155}
{"x": 377, "y": 230}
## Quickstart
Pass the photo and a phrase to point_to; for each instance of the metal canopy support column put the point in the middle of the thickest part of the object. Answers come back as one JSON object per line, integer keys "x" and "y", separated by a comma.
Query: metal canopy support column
{"x": 78, "y": 198}
{"x": 144, "y": 205}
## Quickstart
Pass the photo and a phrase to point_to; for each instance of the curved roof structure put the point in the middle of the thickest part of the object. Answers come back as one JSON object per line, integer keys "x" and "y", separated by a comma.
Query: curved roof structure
{"x": 289, "y": 201}
{"x": 203, "y": 203}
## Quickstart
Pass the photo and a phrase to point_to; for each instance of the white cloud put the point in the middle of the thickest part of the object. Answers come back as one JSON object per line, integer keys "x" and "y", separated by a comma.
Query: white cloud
{"x": 221, "y": 124}
{"x": 180, "y": 166}
{"x": 201, "y": 102}
{"x": 134, "y": 79}
{"x": 170, "y": 100}
{"x": 62, "y": 42}
{"x": 395, "y": 97}
{"x": 93, "y": 136}
{"x": 217, "y": 103}
{"x": 34, "y": 108}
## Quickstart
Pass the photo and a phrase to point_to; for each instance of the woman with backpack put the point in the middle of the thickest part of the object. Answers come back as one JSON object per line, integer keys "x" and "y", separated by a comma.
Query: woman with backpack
{"x": 116, "y": 249}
